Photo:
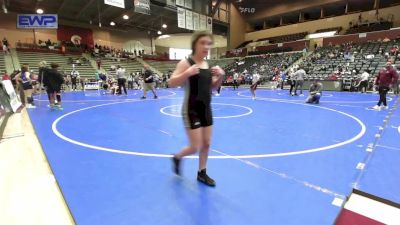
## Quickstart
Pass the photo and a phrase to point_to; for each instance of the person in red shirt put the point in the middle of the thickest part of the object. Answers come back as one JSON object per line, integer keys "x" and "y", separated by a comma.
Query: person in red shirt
{"x": 6, "y": 76}
{"x": 385, "y": 80}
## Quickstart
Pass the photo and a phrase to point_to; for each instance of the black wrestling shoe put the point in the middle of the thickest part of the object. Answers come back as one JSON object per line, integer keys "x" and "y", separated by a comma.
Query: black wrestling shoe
{"x": 143, "y": 97}
{"x": 176, "y": 165}
{"x": 155, "y": 97}
{"x": 205, "y": 179}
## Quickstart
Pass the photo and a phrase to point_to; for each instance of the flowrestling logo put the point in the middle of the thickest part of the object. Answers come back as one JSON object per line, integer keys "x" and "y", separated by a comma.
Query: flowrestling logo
{"x": 36, "y": 21}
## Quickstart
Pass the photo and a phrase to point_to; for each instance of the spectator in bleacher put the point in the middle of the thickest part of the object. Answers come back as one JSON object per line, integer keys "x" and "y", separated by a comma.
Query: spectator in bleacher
{"x": 48, "y": 43}
{"x": 74, "y": 78}
{"x": 5, "y": 41}
{"x": 121, "y": 80}
{"x": 394, "y": 50}
{"x": 363, "y": 86}
{"x": 5, "y": 76}
{"x": 62, "y": 49}
{"x": 53, "y": 80}
{"x": 148, "y": 78}
{"x": 5, "y": 49}
{"x": 24, "y": 80}
{"x": 299, "y": 77}
{"x": 315, "y": 92}
{"x": 385, "y": 80}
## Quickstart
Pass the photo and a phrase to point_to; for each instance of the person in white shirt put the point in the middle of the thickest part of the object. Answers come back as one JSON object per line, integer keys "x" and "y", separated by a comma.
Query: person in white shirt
{"x": 363, "y": 86}
{"x": 299, "y": 77}
{"x": 235, "y": 81}
{"x": 121, "y": 80}
{"x": 255, "y": 82}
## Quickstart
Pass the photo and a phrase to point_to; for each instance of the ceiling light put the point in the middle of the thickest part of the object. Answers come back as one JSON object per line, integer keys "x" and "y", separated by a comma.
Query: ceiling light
{"x": 39, "y": 11}
{"x": 112, "y": 23}
{"x": 164, "y": 25}
{"x": 125, "y": 17}
{"x": 159, "y": 32}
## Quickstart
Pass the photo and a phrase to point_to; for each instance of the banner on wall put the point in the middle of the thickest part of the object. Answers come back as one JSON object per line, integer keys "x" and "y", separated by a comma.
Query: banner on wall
{"x": 196, "y": 18}
{"x": 209, "y": 24}
{"x": 241, "y": 52}
{"x": 189, "y": 20}
{"x": 181, "y": 17}
{"x": 116, "y": 3}
{"x": 142, "y": 6}
{"x": 36, "y": 21}
{"x": 180, "y": 2}
{"x": 203, "y": 22}
{"x": 189, "y": 4}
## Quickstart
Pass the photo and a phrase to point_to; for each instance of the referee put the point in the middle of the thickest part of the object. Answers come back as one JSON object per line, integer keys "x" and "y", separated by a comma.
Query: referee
{"x": 148, "y": 82}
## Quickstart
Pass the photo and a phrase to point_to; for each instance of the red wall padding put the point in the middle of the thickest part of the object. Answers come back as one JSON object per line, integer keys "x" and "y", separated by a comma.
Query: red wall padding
{"x": 64, "y": 33}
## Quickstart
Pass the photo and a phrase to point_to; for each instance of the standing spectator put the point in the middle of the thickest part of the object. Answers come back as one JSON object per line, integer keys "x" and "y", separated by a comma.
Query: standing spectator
{"x": 386, "y": 78}
{"x": 282, "y": 79}
{"x": 148, "y": 82}
{"x": 130, "y": 81}
{"x": 255, "y": 83}
{"x": 138, "y": 82}
{"x": 23, "y": 78}
{"x": 74, "y": 78}
{"x": 397, "y": 85}
{"x": 363, "y": 86}
{"x": 63, "y": 49}
{"x": 98, "y": 61}
{"x": 121, "y": 80}
{"x": 292, "y": 82}
{"x": 235, "y": 81}
{"x": 299, "y": 77}
{"x": 315, "y": 92}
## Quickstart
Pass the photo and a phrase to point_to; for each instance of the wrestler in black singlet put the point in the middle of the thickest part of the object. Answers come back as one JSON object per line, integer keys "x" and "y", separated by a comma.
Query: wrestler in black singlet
{"x": 196, "y": 109}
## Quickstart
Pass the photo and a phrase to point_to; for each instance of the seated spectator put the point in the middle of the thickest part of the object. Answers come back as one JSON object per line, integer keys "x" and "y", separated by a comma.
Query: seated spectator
{"x": 333, "y": 76}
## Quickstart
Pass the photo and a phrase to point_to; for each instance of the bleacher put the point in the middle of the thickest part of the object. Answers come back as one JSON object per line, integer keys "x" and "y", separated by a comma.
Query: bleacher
{"x": 338, "y": 29}
{"x": 264, "y": 64}
{"x": 322, "y": 67}
{"x": 33, "y": 58}
{"x": 285, "y": 38}
{"x": 223, "y": 63}
{"x": 162, "y": 66}
{"x": 2, "y": 63}
{"x": 369, "y": 27}
{"x": 131, "y": 66}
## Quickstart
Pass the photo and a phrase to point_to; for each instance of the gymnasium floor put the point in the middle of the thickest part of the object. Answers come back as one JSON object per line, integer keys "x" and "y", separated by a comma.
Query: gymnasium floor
{"x": 276, "y": 160}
